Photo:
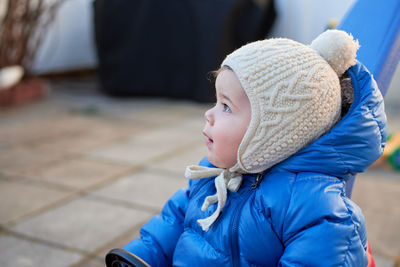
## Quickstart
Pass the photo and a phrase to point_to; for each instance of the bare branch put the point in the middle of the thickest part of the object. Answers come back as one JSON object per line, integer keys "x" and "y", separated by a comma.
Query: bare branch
{"x": 22, "y": 29}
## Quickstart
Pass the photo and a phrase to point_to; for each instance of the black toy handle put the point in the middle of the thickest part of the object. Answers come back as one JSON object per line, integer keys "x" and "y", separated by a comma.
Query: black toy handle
{"x": 121, "y": 258}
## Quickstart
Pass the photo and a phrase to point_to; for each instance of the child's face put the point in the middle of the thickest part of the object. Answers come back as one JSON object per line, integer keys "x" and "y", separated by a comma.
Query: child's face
{"x": 227, "y": 121}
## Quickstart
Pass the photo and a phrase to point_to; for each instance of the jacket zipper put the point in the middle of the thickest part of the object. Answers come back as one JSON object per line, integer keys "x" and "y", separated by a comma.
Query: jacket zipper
{"x": 234, "y": 237}
{"x": 234, "y": 233}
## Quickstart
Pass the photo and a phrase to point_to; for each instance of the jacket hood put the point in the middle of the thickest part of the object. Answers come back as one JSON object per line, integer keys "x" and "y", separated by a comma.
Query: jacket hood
{"x": 355, "y": 142}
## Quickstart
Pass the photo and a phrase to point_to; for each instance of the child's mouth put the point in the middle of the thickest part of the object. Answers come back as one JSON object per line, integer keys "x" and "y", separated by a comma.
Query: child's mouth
{"x": 209, "y": 142}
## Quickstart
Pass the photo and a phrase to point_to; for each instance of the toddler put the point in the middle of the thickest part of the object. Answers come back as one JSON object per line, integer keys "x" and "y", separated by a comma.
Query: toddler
{"x": 282, "y": 141}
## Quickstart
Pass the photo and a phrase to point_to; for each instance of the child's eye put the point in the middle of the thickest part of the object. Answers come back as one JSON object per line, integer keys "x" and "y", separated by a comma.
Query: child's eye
{"x": 227, "y": 108}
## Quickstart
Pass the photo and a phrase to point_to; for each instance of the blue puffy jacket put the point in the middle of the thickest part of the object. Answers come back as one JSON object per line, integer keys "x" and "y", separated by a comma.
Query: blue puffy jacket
{"x": 297, "y": 216}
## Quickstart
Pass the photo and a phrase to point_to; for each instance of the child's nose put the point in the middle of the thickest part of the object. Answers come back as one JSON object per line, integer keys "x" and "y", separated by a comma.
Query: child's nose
{"x": 209, "y": 116}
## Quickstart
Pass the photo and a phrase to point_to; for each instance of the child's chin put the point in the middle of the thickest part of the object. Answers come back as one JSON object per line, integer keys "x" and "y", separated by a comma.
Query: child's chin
{"x": 212, "y": 160}
{"x": 217, "y": 163}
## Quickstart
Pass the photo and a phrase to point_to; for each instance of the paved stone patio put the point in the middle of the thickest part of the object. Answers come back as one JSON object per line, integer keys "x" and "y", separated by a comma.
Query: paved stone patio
{"x": 81, "y": 172}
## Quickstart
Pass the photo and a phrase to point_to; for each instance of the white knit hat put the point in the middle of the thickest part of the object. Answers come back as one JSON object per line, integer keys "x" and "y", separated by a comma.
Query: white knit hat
{"x": 294, "y": 93}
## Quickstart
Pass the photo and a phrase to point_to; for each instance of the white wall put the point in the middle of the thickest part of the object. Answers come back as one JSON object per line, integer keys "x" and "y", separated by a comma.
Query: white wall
{"x": 303, "y": 20}
{"x": 69, "y": 43}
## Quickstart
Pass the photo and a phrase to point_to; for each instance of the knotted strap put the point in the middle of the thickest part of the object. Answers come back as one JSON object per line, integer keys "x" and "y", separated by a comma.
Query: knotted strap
{"x": 224, "y": 180}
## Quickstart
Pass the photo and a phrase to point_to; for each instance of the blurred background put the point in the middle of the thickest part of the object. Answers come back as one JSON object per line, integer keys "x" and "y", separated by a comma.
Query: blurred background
{"x": 101, "y": 109}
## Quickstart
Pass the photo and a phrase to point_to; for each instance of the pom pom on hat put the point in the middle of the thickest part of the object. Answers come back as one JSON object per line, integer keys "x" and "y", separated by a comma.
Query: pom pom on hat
{"x": 338, "y": 48}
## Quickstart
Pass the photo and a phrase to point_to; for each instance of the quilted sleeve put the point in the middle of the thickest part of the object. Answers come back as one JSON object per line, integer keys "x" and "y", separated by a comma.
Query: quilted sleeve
{"x": 159, "y": 236}
{"x": 322, "y": 227}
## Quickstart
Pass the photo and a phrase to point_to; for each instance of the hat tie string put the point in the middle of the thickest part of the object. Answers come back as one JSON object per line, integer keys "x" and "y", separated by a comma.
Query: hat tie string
{"x": 225, "y": 180}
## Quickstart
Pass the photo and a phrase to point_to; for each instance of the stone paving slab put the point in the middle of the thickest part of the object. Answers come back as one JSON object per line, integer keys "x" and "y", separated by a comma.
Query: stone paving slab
{"x": 383, "y": 262}
{"x": 93, "y": 262}
{"x": 39, "y": 129}
{"x": 144, "y": 147}
{"x": 19, "y": 199}
{"x": 146, "y": 189}
{"x": 168, "y": 114}
{"x": 78, "y": 142}
{"x": 87, "y": 97}
{"x": 17, "y": 252}
{"x": 169, "y": 136}
{"x": 84, "y": 223}
{"x": 119, "y": 243}
{"x": 97, "y": 260}
{"x": 142, "y": 111}
{"x": 377, "y": 193}
{"x": 23, "y": 160}
{"x": 72, "y": 134}
{"x": 79, "y": 173}
{"x": 177, "y": 163}
{"x": 25, "y": 114}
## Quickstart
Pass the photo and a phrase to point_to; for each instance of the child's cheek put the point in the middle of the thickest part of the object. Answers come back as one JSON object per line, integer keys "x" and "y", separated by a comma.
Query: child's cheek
{"x": 229, "y": 137}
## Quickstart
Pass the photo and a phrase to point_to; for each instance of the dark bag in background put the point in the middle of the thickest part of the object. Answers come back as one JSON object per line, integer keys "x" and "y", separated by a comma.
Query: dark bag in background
{"x": 166, "y": 47}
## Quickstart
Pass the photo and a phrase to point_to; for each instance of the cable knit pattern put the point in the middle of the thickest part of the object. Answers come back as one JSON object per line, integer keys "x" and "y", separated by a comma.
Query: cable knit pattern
{"x": 294, "y": 95}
